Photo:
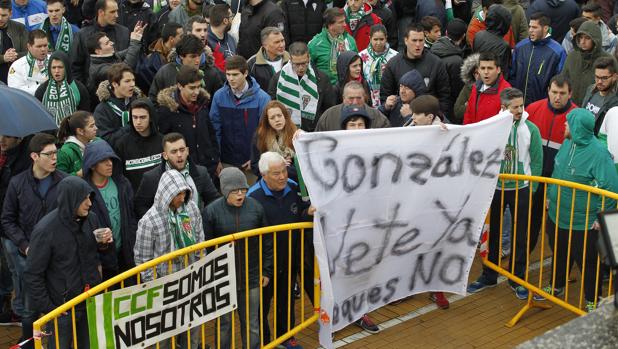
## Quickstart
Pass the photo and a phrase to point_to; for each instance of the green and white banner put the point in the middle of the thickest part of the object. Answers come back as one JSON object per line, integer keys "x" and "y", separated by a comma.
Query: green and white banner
{"x": 143, "y": 315}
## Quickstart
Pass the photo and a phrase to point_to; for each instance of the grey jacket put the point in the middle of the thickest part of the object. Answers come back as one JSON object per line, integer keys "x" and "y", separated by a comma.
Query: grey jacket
{"x": 331, "y": 119}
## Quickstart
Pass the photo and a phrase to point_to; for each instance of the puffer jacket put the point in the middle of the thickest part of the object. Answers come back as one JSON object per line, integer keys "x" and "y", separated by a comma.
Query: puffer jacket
{"x": 585, "y": 160}
{"x": 579, "y": 65}
{"x": 63, "y": 260}
{"x": 483, "y": 105}
{"x": 491, "y": 40}
{"x": 363, "y": 27}
{"x": 197, "y": 127}
{"x": 235, "y": 120}
{"x": 113, "y": 260}
{"x": 153, "y": 238}
{"x": 221, "y": 219}
{"x": 534, "y": 64}
{"x": 466, "y": 74}
{"x": 560, "y": 12}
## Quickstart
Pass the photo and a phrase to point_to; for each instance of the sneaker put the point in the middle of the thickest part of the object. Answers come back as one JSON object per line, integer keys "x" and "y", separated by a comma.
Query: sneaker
{"x": 439, "y": 299}
{"x": 557, "y": 293}
{"x": 520, "y": 291}
{"x": 292, "y": 344}
{"x": 480, "y": 284}
{"x": 10, "y": 319}
{"x": 367, "y": 324}
{"x": 590, "y": 306}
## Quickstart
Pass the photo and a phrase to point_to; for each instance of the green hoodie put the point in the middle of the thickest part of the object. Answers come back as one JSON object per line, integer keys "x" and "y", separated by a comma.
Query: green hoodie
{"x": 585, "y": 160}
{"x": 579, "y": 65}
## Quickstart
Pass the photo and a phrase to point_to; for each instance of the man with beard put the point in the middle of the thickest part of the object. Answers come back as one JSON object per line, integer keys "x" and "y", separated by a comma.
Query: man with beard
{"x": 59, "y": 31}
{"x": 61, "y": 94}
{"x": 222, "y": 44}
{"x": 601, "y": 96}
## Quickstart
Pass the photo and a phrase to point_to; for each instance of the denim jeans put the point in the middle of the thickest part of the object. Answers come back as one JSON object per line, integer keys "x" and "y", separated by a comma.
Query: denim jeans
{"x": 254, "y": 321}
{"x": 6, "y": 278}
{"x": 65, "y": 331}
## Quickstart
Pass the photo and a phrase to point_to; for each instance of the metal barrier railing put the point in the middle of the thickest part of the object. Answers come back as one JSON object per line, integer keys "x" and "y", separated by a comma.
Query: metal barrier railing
{"x": 200, "y": 248}
{"x": 552, "y": 292}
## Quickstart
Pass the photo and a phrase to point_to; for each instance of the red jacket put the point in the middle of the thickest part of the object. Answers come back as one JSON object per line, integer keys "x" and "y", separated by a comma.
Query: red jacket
{"x": 483, "y": 105}
{"x": 476, "y": 26}
{"x": 551, "y": 125}
{"x": 361, "y": 34}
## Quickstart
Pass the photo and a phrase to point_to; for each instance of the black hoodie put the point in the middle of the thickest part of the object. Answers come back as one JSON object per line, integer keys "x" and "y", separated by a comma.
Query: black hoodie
{"x": 63, "y": 259}
{"x": 137, "y": 153}
{"x": 83, "y": 102}
{"x": 498, "y": 23}
{"x": 343, "y": 73}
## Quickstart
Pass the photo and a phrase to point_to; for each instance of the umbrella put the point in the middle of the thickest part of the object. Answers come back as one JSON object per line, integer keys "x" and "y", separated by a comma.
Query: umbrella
{"x": 21, "y": 114}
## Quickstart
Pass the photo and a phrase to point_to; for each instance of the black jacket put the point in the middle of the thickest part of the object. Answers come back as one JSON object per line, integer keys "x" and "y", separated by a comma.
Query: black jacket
{"x": 63, "y": 258}
{"x": 111, "y": 261}
{"x": 343, "y": 74}
{"x": 129, "y": 14}
{"x": 99, "y": 65}
{"x": 109, "y": 123}
{"x": 196, "y": 128}
{"x": 303, "y": 22}
{"x": 253, "y": 20}
{"x": 491, "y": 40}
{"x": 561, "y": 12}
{"x": 144, "y": 197}
{"x": 17, "y": 161}
{"x": 119, "y": 34}
{"x": 405, "y": 8}
{"x": 326, "y": 96}
{"x": 23, "y": 206}
{"x": 431, "y": 68}
{"x": 139, "y": 154}
{"x": 261, "y": 71}
{"x": 221, "y": 219}
{"x": 166, "y": 77}
{"x": 452, "y": 56}
{"x": 389, "y": 21}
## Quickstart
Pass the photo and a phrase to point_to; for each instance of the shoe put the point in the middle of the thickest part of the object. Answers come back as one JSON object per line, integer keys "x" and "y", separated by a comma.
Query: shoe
{"x": 480, "y": 284}
{"x": 590, "y": 306}
{"x": 439, "y": 299}
{"x": 505, "y": 252}
{"x": 292, "y": 344}
{"x": 367, "y": 324}
{"x": 10, "y": 319}
{"x": 557, "y": 293}
{"x": 520, "y": 291}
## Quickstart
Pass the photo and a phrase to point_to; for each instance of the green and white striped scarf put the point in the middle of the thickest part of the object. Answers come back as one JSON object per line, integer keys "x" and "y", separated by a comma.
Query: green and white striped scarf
{"x": 124, "y": 115}
{"x": 61, "y": 99}
{"x": 64, "y": 39}
{"x": 300, "y": 96}
{"x": 33, "y": 63}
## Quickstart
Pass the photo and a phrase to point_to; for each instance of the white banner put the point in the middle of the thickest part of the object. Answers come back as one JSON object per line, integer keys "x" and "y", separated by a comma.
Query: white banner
{"x": 142, "y": 315}
{"x": 400, "y": 211}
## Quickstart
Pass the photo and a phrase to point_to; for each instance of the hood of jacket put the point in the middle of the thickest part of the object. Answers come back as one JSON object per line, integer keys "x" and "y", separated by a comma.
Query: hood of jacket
{"x": 72, "y": 190}
{"x": 469, "y": 66}
{"x": 445, "y": 47}
{"x": 168, "y": 97}
{"x": 61, "y": 56}
{"x": 104, "y": 91}
{"x": 498, "y": 20}
{"x": 151, "y": 117}
{"x": 592, "y": 30}
{"x": 260, "y": 60}
{"x": 414, "y": 80}
{"x": 343, "y": 63}
{"x": 97, "y": 151}
{"x": 581, "y": 126}
{"x": 171, "y": 184}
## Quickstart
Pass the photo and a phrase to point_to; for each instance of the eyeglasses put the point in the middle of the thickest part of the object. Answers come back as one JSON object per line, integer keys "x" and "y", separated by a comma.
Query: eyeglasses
{"x": 603, "y": 78}
{"x": 239, "y": 191}
{"x": 50, "y": 154}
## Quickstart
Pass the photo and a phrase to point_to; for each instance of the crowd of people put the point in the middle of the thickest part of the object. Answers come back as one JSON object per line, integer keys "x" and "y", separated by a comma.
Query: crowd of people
{"x": 176, "y": 120}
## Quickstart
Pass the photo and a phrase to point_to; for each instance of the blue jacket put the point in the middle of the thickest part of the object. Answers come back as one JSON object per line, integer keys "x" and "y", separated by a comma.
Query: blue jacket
{"x": 32, "y": 15}
{"x": 235, "y": 120}
{"x": 533, "y": 66}
{"x": 112, "y": 261}
{"x": 55, "y": 30}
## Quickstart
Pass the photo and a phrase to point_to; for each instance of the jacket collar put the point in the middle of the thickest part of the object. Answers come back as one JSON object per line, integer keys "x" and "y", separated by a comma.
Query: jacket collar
{"x": 493, "y": 89}
{"x": 260, "y": 60}
{"x": 561, "y": 110}
{"x": 268, "y": 192}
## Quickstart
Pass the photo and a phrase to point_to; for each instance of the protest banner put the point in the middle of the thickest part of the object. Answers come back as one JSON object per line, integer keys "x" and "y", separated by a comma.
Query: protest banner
{"x": 399, "y": 211}
{"x": 142, "y": 315}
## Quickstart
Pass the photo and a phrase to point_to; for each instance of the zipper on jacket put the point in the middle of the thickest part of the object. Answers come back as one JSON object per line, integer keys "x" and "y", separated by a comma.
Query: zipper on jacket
{"x": 528, "y": 72}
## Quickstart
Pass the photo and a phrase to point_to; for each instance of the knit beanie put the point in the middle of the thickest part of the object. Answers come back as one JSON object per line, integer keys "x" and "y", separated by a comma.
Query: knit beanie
{"x": 232, "y": 179}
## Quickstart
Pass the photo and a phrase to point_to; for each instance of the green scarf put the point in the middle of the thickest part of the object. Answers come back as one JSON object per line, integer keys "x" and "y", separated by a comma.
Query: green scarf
{"x": 64, "y": 39}
{"x": 61, "y": 99}
{"x": 32, "y": 63}
{"x": 180, "y": 227}
{"x": 378, "y": 60}
{"x": 299, "y": 96}
{"x": 352, "y": 18}
{"x": 124, "y": 115}
{"x": 337, "y": 45}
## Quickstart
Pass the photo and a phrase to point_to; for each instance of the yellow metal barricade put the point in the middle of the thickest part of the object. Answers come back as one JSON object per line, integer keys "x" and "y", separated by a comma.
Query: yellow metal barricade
{"x": 542, "y": 283}
{"x": 49, "y": 322}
